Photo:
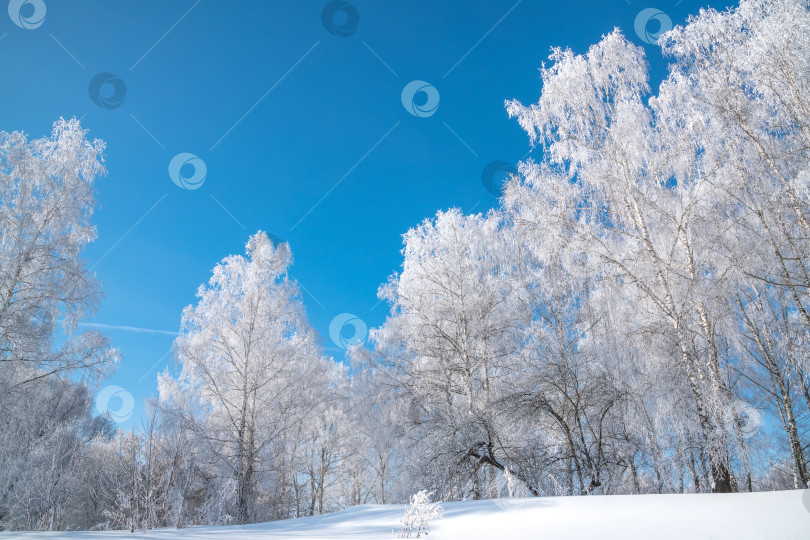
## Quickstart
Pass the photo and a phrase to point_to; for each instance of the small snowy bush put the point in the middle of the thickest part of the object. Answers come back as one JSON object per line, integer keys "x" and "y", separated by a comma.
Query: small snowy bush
{"x": 418, "y": 515}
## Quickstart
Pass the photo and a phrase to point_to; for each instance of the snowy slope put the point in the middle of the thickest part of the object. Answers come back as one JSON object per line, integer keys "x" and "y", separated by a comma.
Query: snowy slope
{"x": 776, "y": 515}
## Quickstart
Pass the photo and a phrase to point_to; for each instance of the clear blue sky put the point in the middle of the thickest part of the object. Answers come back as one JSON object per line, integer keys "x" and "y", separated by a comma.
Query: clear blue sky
{"x": 316, "y": 109}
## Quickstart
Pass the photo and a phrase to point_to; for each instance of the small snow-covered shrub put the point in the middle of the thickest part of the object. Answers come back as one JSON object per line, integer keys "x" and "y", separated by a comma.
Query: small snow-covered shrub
{"x": 418, "y": 515}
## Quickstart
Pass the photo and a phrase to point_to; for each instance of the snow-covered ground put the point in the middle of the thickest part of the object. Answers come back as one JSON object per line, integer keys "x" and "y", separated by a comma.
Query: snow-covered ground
{"x": 776, "y": 515}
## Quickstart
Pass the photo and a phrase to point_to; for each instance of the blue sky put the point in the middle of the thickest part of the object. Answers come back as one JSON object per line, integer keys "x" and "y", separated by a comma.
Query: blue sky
{"x": 303, "y": 133}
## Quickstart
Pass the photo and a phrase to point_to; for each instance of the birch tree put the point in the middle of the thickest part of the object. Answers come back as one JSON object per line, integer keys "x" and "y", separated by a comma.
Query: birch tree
{"x": 46, "y": 204}
{"x": 250, "y": 365}
{"x": 447, "y": 342}
{"x": 48, "y": 367}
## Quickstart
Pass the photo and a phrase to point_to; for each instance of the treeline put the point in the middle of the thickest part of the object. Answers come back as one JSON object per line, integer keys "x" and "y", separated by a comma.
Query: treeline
{"x": 632, "y": 318}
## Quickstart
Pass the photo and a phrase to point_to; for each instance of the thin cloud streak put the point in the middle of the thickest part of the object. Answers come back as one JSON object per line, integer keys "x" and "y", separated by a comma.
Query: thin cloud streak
{"x": 102, "y": 326}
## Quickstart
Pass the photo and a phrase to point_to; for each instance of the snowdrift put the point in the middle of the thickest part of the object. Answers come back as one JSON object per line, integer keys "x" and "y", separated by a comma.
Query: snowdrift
{"x": 774, "y": 515}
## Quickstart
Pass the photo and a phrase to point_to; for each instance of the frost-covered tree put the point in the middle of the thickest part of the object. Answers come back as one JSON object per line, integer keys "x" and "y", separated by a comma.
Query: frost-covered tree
{"x": 250, "y": 373}
{"x": 692, "y": 202}
{"x": 379, "y": 449}
{"x": 418, "y": 514}
{"x": 739, "y": 79}
{"x": 447, "y": 346}
{"x": 46, "y": 202}
{"x": 133, "y": 485}
{"x": 47, "y": 366}
{"x": 322, "y": 446}
{"x": 46, "y": 458}
{"x": 632, "y": 318}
